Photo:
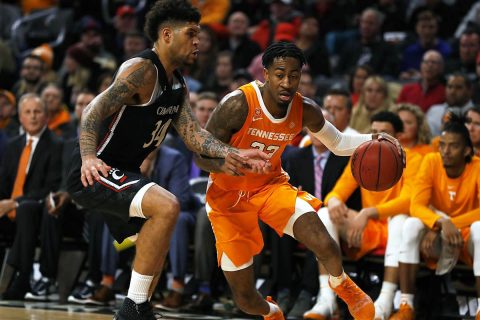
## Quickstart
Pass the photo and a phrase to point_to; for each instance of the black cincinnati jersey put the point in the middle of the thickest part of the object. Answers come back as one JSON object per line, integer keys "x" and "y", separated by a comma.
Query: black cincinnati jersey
{"x": 129, "y": 135}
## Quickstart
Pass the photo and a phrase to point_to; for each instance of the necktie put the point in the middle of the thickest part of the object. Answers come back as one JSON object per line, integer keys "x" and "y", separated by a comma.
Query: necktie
{"x": 21, "y": 175}
{"x": 318, "y": 177}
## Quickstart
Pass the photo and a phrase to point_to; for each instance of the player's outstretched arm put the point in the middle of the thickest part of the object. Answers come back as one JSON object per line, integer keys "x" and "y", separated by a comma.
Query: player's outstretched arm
{"x": 132, "y": 84}
{"x": 211, "y": 145}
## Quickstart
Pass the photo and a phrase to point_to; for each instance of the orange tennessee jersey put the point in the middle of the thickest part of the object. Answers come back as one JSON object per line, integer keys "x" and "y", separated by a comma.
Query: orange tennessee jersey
{"x": 262, "y": 131}
{"x": 458, "y": 198}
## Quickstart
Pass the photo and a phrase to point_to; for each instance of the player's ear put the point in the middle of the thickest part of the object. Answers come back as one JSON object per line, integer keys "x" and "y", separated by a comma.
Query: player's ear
{"x": 166, "y": 34}
{"x": 265, "y": 74}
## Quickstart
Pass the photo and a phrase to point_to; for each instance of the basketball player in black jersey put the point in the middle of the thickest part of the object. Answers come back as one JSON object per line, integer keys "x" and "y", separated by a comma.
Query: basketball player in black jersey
{"x": 122, "y": 125}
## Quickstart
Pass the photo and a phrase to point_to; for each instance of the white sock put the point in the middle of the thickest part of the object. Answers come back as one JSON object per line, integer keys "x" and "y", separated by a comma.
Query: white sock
{"x": 273, "y": 308}
{"x": 139, "y": 286}
{"x": 407, "y": 298}
{"x": 325, "y": 291}
{"x": 336, "y": 281}
{"x": 478, "y": 304}
{"x": 385, "y": 299}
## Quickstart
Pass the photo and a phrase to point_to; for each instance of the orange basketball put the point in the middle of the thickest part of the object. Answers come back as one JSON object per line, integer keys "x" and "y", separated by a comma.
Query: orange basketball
{"x": 377, "y": 165}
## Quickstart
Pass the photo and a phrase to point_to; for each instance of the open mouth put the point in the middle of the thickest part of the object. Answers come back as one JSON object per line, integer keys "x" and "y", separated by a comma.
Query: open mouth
{"x": 285, "y": 96}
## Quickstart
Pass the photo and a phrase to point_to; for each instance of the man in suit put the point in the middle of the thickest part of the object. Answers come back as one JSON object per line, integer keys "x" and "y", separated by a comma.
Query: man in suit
{"x": 300, "y": 165}
{"x": 30, "y": 170}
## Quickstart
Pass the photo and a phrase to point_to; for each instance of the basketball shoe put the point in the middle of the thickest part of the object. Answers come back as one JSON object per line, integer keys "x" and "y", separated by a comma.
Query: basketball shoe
{"x": 277, "y": 315}
{"x": 359, "y": 303}
{"x": 404, "y": 313}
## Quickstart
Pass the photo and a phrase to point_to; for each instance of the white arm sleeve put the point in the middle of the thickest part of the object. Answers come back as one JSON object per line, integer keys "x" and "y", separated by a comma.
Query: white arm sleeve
{"x": 339, "y": 143}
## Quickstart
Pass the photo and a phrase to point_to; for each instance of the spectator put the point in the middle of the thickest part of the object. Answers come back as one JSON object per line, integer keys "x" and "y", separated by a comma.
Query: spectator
{"x": 458, "y": 100}
{"x": 36, "y": 153}
{"x": 78, "y": 72}
{"x": 31, "y": 77}
{"x": 313, "y": 48}
{"x": 426, "y": 29}
{"x": 238, "y": 41}
{"x": 469, "y": 48}
{"x": 203, "y": 69}
{"x": 370, "y": 48}
{"x": 444, "y": 223}
{"x": 8, "y": 114}
{"x": 472, "y": 121}
{"x": 240, "y": 77}
{"x": 124, "y": 21}
{"x": 134, "y": 42}
{"x": 357, "y": 79}
{"x": 378, "y": 225}
{"x": 59, "y": 120}
{"x": 416, "y": 135}
{"x": 429, "y": 90}
{"x": 374, "y": 98}
{"x": 281, "y": 11}
{"x": 223, "y": 75}
{"x": 45, "y": 52}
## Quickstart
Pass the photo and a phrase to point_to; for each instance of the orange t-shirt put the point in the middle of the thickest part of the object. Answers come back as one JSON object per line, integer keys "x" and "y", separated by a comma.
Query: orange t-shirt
{"x": 390, "y": 202}
{"x": 458, "y": 198}
{"x": 422, "y": 149}
{"x": 262, "y": 131}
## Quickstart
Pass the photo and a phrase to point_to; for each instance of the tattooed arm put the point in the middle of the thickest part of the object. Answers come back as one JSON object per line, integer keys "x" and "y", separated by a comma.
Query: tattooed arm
{"x": 133, "y": 85}
{"x": 227, "y": 118}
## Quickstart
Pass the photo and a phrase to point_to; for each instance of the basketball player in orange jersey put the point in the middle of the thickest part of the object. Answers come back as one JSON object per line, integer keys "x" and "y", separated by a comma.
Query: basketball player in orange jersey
{"x": 445, "y": 222}
{"x": 268, "y": 116}
{"x": 377, "y": 227}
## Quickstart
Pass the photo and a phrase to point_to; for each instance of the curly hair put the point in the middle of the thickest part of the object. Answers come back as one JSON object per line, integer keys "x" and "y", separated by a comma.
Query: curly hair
{"x": 169, "y": 11}
{"x": 282, "y": 50}
{"x": 424, "y": 135}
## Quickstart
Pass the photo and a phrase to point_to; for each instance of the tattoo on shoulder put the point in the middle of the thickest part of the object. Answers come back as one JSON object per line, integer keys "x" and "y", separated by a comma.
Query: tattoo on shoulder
{"x": 132, "y": 77}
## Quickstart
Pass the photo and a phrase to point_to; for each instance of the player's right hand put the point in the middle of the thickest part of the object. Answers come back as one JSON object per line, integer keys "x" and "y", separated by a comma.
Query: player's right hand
{"x": 337, "y": 210}
{"x": 91, "y": 169}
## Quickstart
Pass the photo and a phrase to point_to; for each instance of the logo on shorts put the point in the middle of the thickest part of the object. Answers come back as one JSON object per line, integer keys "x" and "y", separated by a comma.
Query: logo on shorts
{"x": 114, "y": 172}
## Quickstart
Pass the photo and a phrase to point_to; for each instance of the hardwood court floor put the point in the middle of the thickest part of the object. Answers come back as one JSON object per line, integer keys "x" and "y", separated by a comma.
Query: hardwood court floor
{"x": 18, "y": 310}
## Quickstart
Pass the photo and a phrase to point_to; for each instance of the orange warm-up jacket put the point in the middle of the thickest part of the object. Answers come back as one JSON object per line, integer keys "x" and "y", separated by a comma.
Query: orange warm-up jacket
{"x": 390, "y": 202}
{"x": 459, "y": 198}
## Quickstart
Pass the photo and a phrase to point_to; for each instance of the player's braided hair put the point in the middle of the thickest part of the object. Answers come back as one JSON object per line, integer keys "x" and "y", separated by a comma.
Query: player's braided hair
{"x": 169, "y": 11}
{"x": 282, "y": 50}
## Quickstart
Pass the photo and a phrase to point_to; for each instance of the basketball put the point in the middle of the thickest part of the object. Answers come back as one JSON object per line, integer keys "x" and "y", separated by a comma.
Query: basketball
{"x": 377, "y": 165}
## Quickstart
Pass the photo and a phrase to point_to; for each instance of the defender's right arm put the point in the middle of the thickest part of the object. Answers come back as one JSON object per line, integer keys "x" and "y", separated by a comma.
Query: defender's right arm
{"x": 133, "y": 84}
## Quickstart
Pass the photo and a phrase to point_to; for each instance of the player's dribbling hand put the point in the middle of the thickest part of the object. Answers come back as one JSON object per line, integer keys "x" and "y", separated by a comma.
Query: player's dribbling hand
{"x": 386, "y": 136}
{"x": 91, "y": 169}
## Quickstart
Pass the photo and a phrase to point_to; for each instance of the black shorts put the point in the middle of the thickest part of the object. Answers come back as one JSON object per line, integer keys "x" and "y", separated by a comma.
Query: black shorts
{"x": 112, "y": 197}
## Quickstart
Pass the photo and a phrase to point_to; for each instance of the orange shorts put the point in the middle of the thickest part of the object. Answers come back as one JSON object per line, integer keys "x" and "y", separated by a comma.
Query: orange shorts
{"x": 464, "y": 256}
{"x": 374, "y": 238}
{"x": 234, "y": 217}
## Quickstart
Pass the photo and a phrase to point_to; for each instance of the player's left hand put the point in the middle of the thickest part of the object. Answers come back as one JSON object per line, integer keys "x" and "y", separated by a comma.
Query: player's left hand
{"x": 386, "y": 136}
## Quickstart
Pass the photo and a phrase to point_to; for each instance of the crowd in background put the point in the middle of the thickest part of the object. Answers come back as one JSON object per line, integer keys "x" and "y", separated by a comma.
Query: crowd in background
{"x": 418, "y": 59}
